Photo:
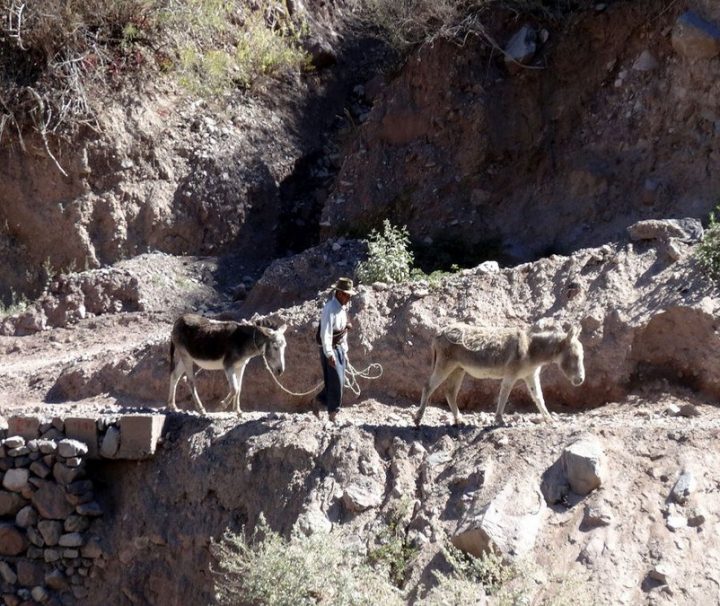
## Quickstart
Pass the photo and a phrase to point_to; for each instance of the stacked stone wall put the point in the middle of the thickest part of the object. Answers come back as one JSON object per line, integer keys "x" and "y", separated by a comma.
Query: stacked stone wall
{"x": 51, "y": 524}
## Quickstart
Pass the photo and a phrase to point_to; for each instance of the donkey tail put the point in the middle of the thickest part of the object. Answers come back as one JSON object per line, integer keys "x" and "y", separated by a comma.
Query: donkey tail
{"x": 172, "y": 356}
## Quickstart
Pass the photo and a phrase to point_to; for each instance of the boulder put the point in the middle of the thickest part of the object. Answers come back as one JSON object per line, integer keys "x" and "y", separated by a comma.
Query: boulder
{"x": 509, "y": 524}
{"x": 16, "y": 479}
{"x": 583, "y": 465}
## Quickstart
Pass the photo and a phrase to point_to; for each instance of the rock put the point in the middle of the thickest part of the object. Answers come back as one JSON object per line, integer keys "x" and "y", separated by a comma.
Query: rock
{"x": 363, "y": 494}
{"x": 26, "y": 517}
{"x": 30, "y": 573}
{"x": 595, "y": 516}
{"x": 50, "y": 531}
{"x": 645, "y": 62}
{"x": 696, "y": 516}
{"x": 72, "y": 539}
{"x": 686, "y": 230}
{"x": 583, "y": 465}
{"x": 56, "y": 581}
{"x": 91, "y": 509}
{"x": 110, "y": 442}
{"x": 689, "y": 410}
{"x": 13, "y": 442}
{"x": 76, "y": 523}
{"x": 672, "y": 410}
{"x": 521, "y": 47}
{"x": 39, "y": 594}
{"x": 11, "y": 503}
{"x": 13, "y": 541}
{"x": 675, "y": 522}
{"x": 40, "y": 469}
{"x": 71, "y": 448}
{"x": 660, "y": 572}
{"x": 7, "y": 574}
{"x": 16, "y": 479}
{"x": 488, "y": 267}
{"x": 50, "y": 502}
{"x": 683, "y": 488}
{"x": 47, "y": 446}
{"x": 64, "y": 474}
{"x": 509, "y": 524}
{"x": 694, "y": 38}
{"x": 313, "y": 520}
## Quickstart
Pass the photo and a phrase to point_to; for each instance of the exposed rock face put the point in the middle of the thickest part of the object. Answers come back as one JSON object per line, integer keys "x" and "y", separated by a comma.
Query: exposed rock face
{"x": 518, "y": 166}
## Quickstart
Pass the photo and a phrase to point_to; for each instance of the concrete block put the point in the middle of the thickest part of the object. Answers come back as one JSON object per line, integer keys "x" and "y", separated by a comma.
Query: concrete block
{"x": 27, "y": 427}
{"x": 139, "y": 435}
{"x": 83, "y": 429}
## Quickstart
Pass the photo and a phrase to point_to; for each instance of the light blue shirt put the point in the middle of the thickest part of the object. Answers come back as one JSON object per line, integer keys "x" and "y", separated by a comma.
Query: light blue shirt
{"x": 333, "y": 319}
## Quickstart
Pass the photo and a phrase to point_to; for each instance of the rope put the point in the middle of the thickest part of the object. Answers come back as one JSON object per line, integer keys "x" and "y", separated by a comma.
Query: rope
{"x": 281, "y": 386}
{"x": 352, "y": 374}
{"x": 351, "y": 378}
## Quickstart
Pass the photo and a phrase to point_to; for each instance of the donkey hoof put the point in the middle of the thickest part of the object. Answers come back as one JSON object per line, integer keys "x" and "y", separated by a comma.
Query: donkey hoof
{"x": 417, "y": 420}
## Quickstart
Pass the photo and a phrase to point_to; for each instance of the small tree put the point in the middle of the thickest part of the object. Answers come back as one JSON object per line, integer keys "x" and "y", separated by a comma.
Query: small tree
{"x": 708, "y": 251}
{"x": 389, "y": 256}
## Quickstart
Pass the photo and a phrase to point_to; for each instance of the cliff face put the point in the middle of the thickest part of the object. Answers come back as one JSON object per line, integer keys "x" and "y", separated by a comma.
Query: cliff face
{"x": 606, "y": 123}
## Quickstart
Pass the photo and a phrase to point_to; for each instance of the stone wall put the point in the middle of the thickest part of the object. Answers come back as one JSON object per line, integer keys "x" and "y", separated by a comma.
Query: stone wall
{"x": 51, "y": 525}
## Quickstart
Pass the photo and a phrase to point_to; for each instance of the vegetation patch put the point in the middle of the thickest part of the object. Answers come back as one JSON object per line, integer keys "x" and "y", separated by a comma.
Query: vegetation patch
{"x": 320, "y": 569}
{"x": 708, "y": 251}
{"x": 58, "y": 58}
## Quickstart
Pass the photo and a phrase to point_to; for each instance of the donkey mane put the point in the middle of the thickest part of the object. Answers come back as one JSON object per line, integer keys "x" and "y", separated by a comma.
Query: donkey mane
{"x": 546, "y": 344}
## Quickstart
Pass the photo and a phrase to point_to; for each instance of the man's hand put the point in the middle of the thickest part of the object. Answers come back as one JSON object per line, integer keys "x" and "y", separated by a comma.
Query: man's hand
{"x": 348, "y": 326}
{"x": 331, "y": 361}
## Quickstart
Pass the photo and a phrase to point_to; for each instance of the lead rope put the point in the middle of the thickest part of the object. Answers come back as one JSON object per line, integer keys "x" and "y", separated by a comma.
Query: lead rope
{"x": 351, "y": 378}
{"x": 352, "y": 374}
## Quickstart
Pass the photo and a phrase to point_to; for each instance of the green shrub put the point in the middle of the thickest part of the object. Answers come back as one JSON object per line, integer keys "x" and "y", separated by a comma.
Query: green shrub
{"x": 708, "y": 251}
{"x": 389, "y": 256}
{"x": 393, "y": 551}
{"x": 328, "y": 569}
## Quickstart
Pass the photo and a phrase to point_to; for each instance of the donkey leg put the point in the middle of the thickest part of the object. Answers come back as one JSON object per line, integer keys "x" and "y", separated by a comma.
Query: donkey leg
{"x": 190, "y": 372}
{"x": 436, "y": 378}
{"x": 236, "y": 384}
{"x": 230, "y": 397}
{"x": 533, "y": 384}
{"x": 454, "y": 382}
{"x": 175, "y": 375}
{"x": 505, "y": 388}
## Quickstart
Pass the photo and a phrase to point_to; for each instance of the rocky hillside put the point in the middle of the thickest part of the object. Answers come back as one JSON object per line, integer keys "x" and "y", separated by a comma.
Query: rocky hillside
{"x": 572, "y": 152}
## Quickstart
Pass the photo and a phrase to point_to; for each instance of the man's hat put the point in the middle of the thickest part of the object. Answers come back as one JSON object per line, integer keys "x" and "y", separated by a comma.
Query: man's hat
{"x": 345, "y": 285}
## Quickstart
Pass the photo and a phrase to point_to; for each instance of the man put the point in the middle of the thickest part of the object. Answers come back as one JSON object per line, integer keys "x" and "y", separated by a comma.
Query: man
{"x": 332, "y": 337}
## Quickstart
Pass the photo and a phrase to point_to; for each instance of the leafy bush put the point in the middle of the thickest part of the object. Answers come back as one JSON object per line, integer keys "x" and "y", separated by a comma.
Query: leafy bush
{"x": 389, "y": 256}
{"x": 708, "y": 251}
{"x": 324, "y": 569}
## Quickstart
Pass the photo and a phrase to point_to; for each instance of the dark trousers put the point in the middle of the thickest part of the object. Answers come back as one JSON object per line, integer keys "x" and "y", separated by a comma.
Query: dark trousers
{"x": 334, "y": 379}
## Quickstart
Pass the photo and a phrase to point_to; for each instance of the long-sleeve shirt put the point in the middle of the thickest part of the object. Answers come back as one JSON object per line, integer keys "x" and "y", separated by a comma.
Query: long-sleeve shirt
{"x": 333, "y": 319}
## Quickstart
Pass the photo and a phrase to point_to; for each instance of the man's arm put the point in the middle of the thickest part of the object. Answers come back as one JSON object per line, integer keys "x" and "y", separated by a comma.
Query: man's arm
{"x": 326, "y": 330}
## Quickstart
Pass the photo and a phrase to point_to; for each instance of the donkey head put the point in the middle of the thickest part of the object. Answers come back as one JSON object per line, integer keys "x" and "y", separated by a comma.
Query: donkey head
{"x": 274, "y": 349}
{"x": 571, "y": 358}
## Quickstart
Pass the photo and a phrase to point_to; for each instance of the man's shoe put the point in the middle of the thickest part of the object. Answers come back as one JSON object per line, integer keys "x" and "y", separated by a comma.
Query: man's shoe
{"x": 333, "y": 417}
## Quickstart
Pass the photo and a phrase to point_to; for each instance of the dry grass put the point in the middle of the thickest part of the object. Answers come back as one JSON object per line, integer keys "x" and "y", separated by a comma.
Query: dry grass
{"x": 59, "y": 57}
